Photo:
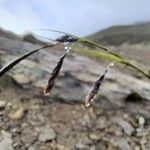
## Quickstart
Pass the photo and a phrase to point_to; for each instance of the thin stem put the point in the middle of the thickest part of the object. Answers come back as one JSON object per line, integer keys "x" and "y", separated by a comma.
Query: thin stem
{"x": 83, "y": 40}
{"x": 136, "y": 68}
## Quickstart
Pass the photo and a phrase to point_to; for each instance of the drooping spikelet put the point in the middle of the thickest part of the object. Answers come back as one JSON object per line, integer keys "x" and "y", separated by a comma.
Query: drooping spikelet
{"x": 54, "y": 75}
{"x": 96, "y": 86}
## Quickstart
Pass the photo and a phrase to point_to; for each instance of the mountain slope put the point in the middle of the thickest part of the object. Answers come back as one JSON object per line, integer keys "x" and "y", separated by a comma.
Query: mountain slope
{"x": 8, "y": 34}
{"x": 28, "y": 37}
{"x": 117, "y": 35}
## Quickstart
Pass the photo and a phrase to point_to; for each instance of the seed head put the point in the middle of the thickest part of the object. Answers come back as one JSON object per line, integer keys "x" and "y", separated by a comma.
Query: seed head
{"x": 96, "y": 86}
{"x": 54, "y": 75}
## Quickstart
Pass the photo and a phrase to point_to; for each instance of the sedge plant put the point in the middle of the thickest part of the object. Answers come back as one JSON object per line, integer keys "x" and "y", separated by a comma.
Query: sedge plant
{"x": 69, "y": 39}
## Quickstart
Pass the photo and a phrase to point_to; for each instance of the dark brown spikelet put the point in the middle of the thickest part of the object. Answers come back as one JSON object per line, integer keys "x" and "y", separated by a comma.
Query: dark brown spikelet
{"x": 54, "y": 75}
{"x": 96, "y": 86}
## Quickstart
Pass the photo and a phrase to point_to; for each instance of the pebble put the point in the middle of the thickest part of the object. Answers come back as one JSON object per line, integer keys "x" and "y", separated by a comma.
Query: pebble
{"x": 115, "y": 130}
{"x": 93, "y": 147}
{"x": 141, "y": 121}
{"x": 28, "y": 136}
{"x": 101, "y": 123}
{"x": 2, "y": 104}
{"x": 94, "y": 136}
{"x": 21, "y": 78}
{"x": 122, "y": 144}
{"x": 143, "y": 141}
{"x": 140, "y": 132}
{"x": 46, "y": 134}
{"x": 99, "y": 111}
{"x": 81, "y": 146}
{"x": 31, "y": 148}
{"x": 126, "y": 126}
{"x": 6, "y": 142}
{"x": 85, "y": 121}
{"x": 61, "y": 147}
{"x": 16, "y": 130}
{"x": 137, "y": 148}
{"x": 18, "y": 113}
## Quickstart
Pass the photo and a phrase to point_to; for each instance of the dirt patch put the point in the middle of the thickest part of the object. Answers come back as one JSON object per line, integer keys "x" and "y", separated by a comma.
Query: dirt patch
{"x": 34, "y": 122}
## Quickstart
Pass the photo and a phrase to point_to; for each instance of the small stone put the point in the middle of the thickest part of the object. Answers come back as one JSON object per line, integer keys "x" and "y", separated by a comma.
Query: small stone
{"x": 126, "y": 126}
{"x": 101, "y": 123}
{"x": 61, "y": 147}
{"x": 31, "y": 148}
{"x": 16, "y": 144}
{"x": 28, "y": 136}
{"x": 18, "y": 113}
{"x": 140, "y": 132}
{"x": 2, "y": 113}
{"x": 115, "y": 130}
{"x": 137, "y": 148}
{"x": 46, "y": 134}
{"x": 126, "y": 116}
{"x": 143, "y": 141}
{"x": 101, "y": 146}
{"x": 21, "y": 78}
{"x": 2, "y": 104}
{"x": 6, "y": 142}
{"x": 16, "y": 130}
{"x": 122, "y": 144}
{"x": 94, "y": 136}
{"x": 141, "y": 121}
{"x": 81, "y": 146}
{"x": 99, "y": 111}
{"x": 93, "y": 147}
{"x": 85, "y": 121}
{"x": 28, "y": 63}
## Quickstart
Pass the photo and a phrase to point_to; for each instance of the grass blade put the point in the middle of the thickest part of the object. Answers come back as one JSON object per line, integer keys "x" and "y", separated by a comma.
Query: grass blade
{"x": 10, "y": 65}
{"x": 111, "y": 57}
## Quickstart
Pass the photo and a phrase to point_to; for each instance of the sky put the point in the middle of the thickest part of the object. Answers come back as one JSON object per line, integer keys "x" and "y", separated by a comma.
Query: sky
{"x": 79, "y": 17}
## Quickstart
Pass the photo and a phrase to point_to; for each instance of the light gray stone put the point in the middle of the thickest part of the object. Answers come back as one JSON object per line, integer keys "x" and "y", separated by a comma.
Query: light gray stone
{"x": 141, "y": 121}
{"x": 46, "y": 134}
{"x": 101, "y": 123}
{"x": 126, "y": 126}
{"x": 122, "y": 144}
{"x": 6, "y": 142}
{"x": 2, "y": 104}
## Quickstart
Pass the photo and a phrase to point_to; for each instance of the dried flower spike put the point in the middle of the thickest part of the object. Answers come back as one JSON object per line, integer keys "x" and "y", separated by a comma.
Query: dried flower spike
{"x": 54, "y": 75}
{"x": 90, "y": 97}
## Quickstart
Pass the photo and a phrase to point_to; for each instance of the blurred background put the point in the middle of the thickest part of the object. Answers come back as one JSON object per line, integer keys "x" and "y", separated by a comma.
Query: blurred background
{"x": 120, "y": 116}
{"x": 77, "y": 17}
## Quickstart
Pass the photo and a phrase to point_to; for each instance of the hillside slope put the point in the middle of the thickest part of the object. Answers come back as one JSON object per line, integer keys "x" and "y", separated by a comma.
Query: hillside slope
{"x": 117, "y": 35}
{"x": 7, "y": 34}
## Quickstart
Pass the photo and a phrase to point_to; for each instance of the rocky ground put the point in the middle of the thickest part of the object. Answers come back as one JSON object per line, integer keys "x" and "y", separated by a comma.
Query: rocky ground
{"x": 119, "y": 119}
